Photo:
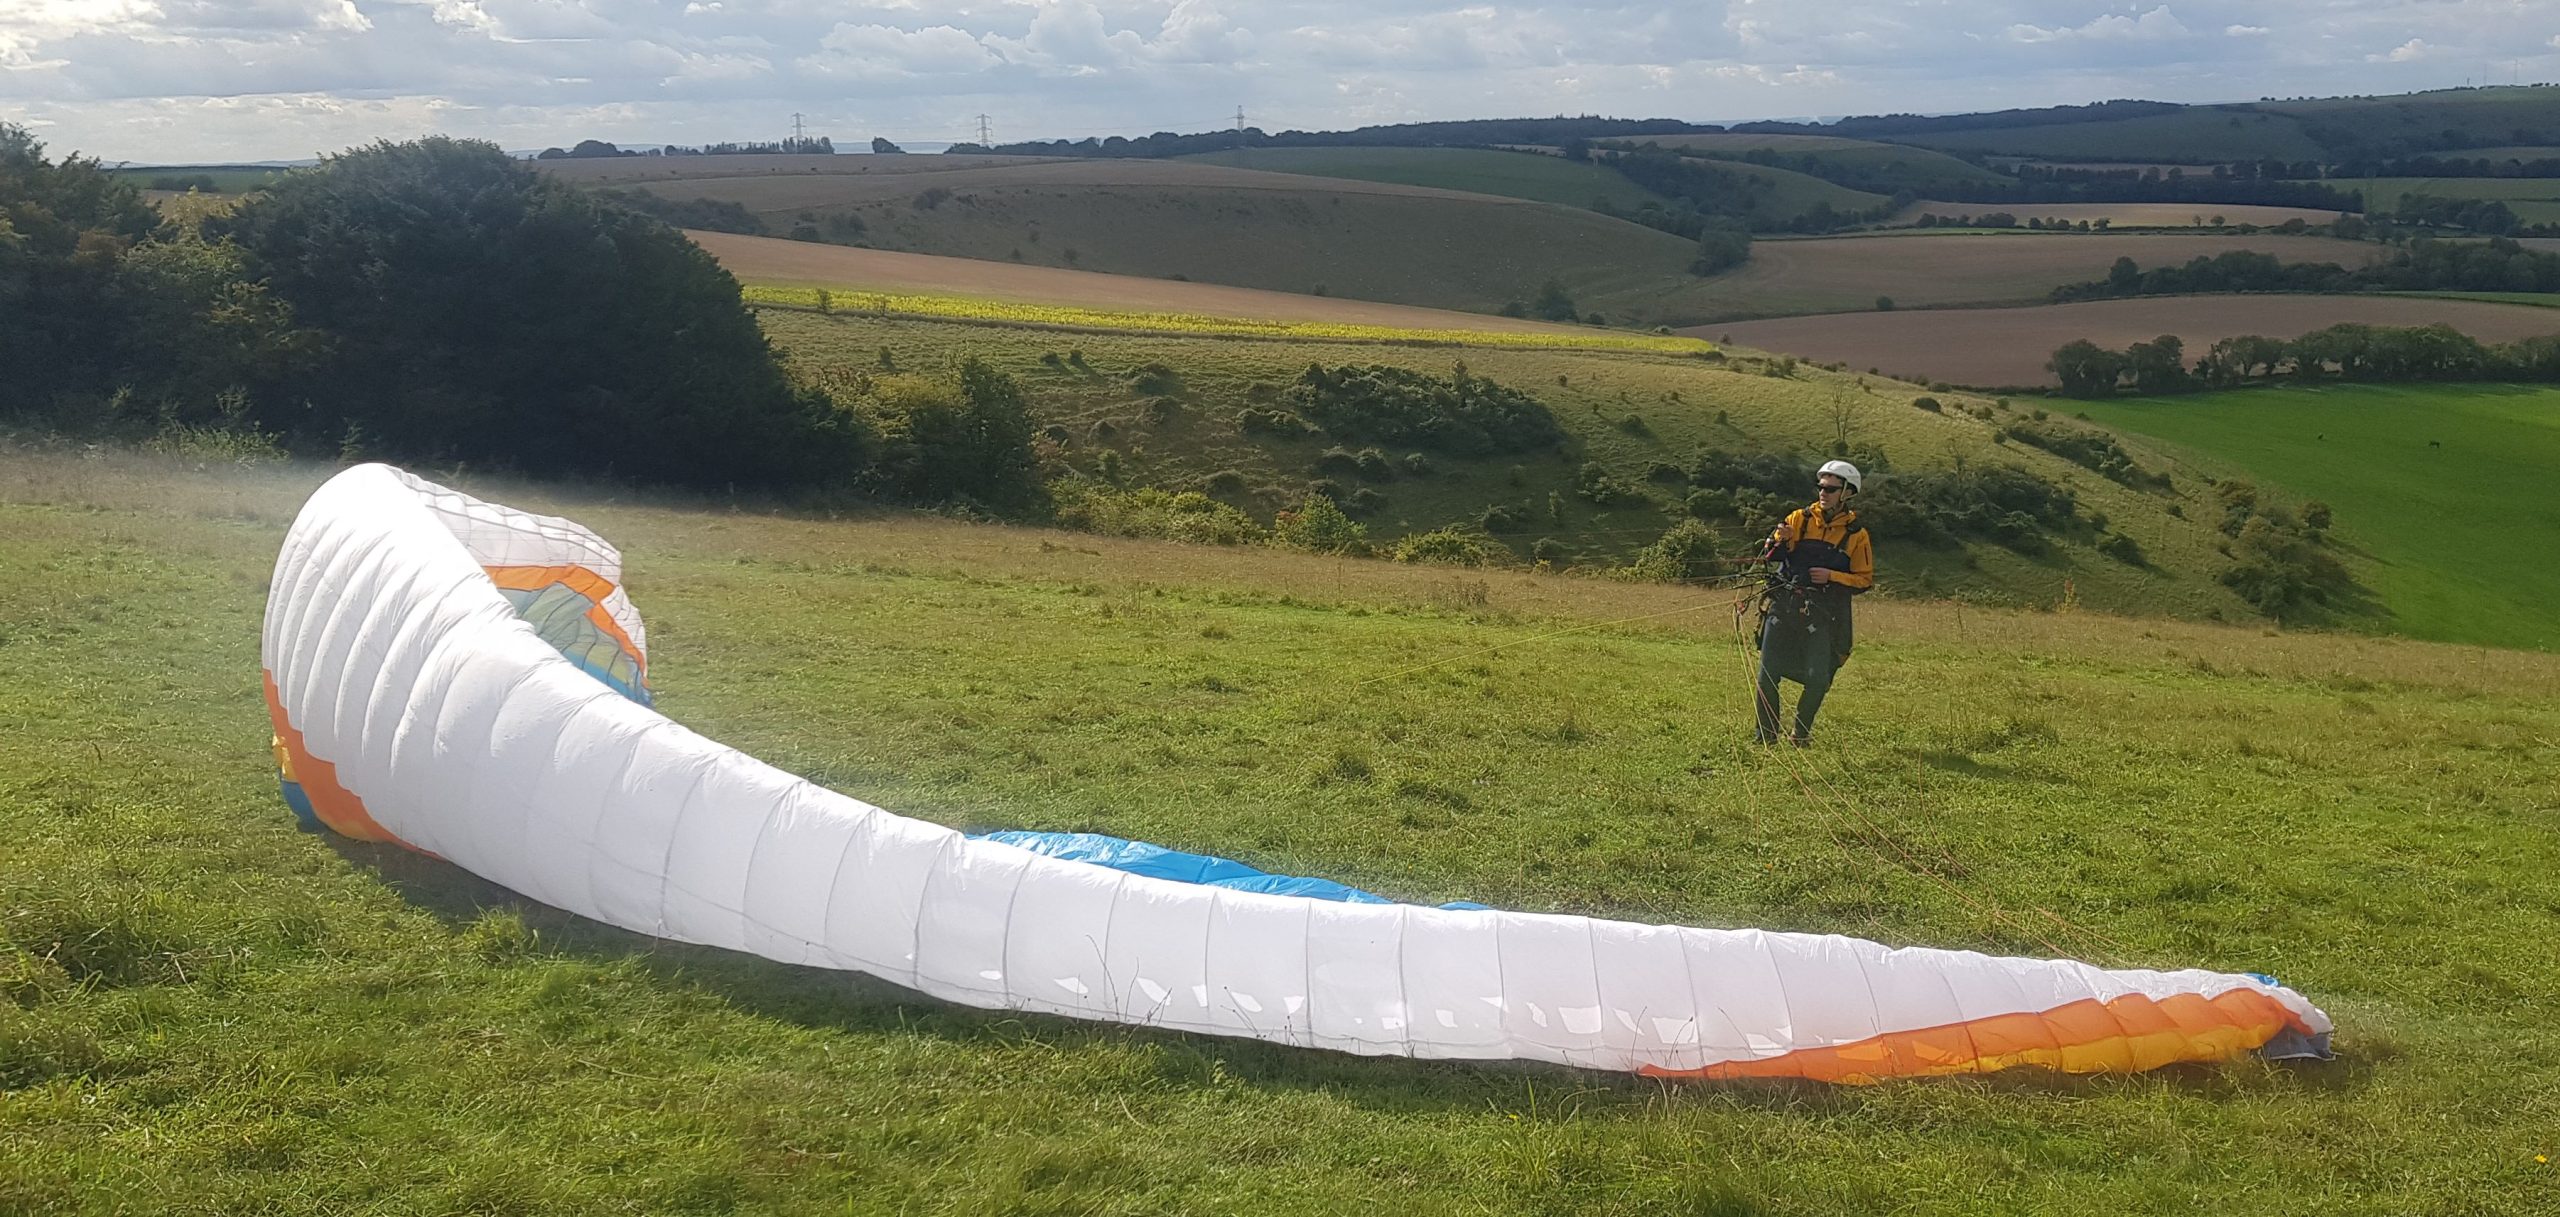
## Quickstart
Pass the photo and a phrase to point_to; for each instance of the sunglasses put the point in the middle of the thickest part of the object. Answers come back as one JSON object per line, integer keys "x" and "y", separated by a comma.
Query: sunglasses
{"x": 1827, "y": 488}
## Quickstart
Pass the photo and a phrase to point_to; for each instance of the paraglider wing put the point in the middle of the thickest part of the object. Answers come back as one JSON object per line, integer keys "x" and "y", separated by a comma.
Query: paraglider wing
{"x": 471, "y": 681}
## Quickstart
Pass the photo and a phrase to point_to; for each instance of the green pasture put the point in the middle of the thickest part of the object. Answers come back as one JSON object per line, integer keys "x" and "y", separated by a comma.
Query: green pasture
{"x": 210, "y": 1013}
{"x": 1917, "y": 169}
{"x": 1519, "y": 175}
{"x": 2431, "y": 485}
{"x": 1790, "y": 194}
{"x": 2196, "y": 135}
{"x": 2534, "y": 200}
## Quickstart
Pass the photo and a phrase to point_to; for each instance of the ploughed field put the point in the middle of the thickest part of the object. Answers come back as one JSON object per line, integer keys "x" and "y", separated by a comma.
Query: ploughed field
{"x": 1836, "y": 274}
{"x": 2009, "y": 346}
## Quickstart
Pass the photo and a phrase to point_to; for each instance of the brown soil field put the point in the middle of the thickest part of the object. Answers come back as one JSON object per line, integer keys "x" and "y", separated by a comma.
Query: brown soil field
{"x": 1835, "y": 274}
{"x": 771, "y": 260}
{"x": 2123, "y": 215}
{"x": 2001, "y": 347}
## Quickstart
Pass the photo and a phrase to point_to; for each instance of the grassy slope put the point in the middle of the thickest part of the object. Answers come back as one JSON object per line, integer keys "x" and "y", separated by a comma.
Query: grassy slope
{"x": 1295, "y": 234}
{"x": 1518, "y": 175}
{"x": 1917, "y": 168}
{"x": 1685, "y": 405}
{"x": 2427, "y": 480}
{"x": 2483, "y": 116}
{"x": 1791, "y": 194}
{"x": 2195, "y": 136}
{"x": 285, "y": 1024}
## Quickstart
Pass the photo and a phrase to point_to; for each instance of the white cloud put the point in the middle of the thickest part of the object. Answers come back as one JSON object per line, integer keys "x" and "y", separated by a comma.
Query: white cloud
{"x": 251, "y": 79}
{"x": 2155, "y": 26}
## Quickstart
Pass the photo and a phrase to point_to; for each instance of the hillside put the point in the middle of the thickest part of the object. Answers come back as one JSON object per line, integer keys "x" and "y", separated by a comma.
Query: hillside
{"x": 1626, "y": 413}
{"x": 1518, "y": 175}
{"x": 2193, "y": 136}
{"x": 1377, "y": 241}
{"x": 2399, "y": 464}
{"x": 1872, "y": 165}
{"x": 214, "y": 1013}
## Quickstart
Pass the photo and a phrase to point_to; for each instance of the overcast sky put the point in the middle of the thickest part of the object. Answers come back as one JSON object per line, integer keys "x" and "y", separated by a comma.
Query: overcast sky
{"x": 171, "y": 81}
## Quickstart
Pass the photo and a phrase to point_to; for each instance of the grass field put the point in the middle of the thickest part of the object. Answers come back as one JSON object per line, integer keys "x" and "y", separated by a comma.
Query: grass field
{"x": 1518, "y": 175}
{"x": 2193, "y": 136}
{"x": 1917, "y": 169}
{"x": 2534, "y": 200}
{"x": 2422, "y": 477}
{"x": 214, "y": 1014}
{"x": 2009, "y": 346}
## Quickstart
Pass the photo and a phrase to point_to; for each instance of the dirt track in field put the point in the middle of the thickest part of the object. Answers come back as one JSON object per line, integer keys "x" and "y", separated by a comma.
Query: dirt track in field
{"x": 2009, "y": 346}
{"x": 769, "y": 260}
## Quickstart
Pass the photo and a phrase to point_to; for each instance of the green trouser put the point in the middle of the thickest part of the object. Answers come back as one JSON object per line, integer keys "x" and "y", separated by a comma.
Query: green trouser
{"x": 1796, "y": 645}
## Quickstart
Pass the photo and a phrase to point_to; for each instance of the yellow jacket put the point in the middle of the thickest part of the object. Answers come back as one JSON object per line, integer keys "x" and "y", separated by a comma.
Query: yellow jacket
{"x": 1813, "y": 538}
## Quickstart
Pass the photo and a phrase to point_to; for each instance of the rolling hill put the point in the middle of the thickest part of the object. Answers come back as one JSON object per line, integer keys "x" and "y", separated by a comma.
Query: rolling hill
{"x": 1518, "y": 175}
{"x": 1872, "y": 165}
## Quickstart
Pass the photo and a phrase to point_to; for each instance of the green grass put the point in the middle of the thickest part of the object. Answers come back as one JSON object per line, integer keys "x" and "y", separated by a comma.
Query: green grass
{"x": 2429, "y": 482}
{"x": 1790, "y": 194}
{"x": 2536, "y": 299}
{"x": 2197, "y": 135}
{"x": 2534, "y": 200}
{"x": 1904, "y": 166}
{"x": 214, "y": 1014}
{"x": 1518, "y": 175}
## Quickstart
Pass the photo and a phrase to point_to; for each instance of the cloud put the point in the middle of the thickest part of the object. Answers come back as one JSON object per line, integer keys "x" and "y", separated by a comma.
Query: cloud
{"x": 250, "y": 79}
{"x": 2158, "y": 25}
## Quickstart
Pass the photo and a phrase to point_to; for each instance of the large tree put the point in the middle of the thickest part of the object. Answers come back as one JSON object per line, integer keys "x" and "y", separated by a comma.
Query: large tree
{"x": 64, "y": 230}
{"x": 478, "y": 311}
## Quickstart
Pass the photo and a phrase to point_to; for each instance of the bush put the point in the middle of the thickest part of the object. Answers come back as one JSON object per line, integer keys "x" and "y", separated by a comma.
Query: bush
{"x": 1364, "y": 502}
{"x": 1598, "y": 486}
{"x": 1155, "y": 379}
{"x": 1317, "y": 526}
{"x": 1547, "y": 551}
{"x": 1929, "y": 404}
{"x": 1461, "y": 414}
{"x": 1502, "y": 517}
{"x": 1417, "y": 464}
{"x": 1160, "y": 410}
{"x": 1188, "y": 516}
{"x": 1447, "y": 544}
{"x": 1688, "y": 551}
{"x": 1709, "y": 504}
{"x": 967, "y": 439}
{"x": 2000, "y": 503}
{"x": 2123, "y": 549}
{"x": 1224, "y": 481}
{"x": 1271, "y": 422}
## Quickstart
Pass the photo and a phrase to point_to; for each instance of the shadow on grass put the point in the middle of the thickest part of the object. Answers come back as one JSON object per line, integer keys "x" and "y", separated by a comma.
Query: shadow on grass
{"x": 851, "y": 1002}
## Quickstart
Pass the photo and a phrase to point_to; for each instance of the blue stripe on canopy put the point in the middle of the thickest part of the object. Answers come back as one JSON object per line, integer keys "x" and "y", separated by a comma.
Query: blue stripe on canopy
{"x": 1157, "y": 862}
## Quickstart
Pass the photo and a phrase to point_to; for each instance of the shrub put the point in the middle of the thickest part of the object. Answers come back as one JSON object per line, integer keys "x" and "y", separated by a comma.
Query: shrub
{"x": 1155, "y": 379}
{"x": 1709, "y": 504}
{"x": 1160, "y": 410}
{"x": 1317, "y": 526}
{"x": 1417, "y": 464}
{"x": 1364, "y": 502}
{"x": 1271, "y": 422}
{"x": 1503, "y": 517}
{"x": 2122, "y": 548}
{"x": 1547, "y": 550}
{"x": 1688, "y": 550}
{"x": 1929, "y": 404}
{"x": 1149, "y": 512}
{"x": 1224, "y": 481}
{"x": 1603, "y": 489}
{"x": 1447, "y": 544}
{"x": 2004, "y": 504}
{"x": 1460, "y": 414}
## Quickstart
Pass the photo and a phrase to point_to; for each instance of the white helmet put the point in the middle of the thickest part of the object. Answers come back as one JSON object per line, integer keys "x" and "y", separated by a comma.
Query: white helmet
{"x": 1844, "y": 471}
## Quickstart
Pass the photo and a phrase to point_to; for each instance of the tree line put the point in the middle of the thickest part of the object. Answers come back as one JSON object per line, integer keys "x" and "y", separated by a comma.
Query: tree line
{"x": 2495, "y": 265}
{"x": 440, "y": 302}
{"x": 2351, "y": 353}
{"x": 795, "y": 145}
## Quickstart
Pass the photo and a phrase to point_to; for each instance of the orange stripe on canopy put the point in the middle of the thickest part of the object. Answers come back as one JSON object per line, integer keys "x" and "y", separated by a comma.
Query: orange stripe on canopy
{"x": 578, "y": 579}
{"x": 2128, "y": 1034}
{"x": 337, "y": 806}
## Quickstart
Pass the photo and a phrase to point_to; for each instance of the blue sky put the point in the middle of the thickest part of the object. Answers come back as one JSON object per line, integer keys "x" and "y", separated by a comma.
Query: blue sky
{"x": 209, "y": 80}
